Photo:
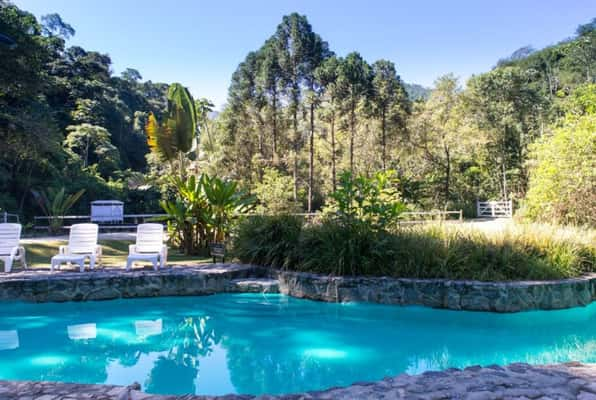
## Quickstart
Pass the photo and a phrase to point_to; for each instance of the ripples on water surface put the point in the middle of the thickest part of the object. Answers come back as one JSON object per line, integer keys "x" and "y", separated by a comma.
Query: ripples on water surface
{"x": 251, "y": 343}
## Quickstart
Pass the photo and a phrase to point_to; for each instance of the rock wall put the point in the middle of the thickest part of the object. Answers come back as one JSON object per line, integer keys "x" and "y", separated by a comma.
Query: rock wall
{"x": 440, "y": 293}
{"x": 41, "y": 286}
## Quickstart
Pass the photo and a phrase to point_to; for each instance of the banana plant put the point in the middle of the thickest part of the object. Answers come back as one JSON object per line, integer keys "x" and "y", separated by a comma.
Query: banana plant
{"x": 203, "y": 210}
{"x": 55, "y": 203}
{"x": 226, "y": 201}
{"x": 187, "y": 214}
{"x": 172, "y": 138}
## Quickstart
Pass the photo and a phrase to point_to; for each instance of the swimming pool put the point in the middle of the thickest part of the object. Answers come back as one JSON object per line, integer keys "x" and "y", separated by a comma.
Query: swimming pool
{"x": 253, "y": 344}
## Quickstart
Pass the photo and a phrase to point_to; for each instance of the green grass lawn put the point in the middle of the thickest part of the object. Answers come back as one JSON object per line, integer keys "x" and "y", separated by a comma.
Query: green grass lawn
{"x": 114, "y": 254}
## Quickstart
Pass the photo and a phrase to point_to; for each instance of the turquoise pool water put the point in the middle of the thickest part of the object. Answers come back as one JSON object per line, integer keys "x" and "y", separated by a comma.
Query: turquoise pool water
{"x": 245, "y": 343}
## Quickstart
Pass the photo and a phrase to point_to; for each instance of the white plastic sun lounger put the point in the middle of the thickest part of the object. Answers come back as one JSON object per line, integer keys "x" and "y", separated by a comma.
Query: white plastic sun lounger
{"x": 10, "y": 250}
{"x": 149, "y": 246}
{"x": 82, "y": 244}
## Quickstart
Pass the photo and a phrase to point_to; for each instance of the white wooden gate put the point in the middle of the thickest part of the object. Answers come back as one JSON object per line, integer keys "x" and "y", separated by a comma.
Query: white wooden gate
{"x": 494, "y": 209}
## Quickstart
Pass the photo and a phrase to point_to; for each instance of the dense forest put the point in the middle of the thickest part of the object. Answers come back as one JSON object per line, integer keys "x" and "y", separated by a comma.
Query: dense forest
{"x": 297, "y": 115}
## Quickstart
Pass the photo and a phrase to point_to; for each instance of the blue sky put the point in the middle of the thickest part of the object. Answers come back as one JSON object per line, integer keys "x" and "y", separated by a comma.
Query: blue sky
{"x": 199, "y": 43}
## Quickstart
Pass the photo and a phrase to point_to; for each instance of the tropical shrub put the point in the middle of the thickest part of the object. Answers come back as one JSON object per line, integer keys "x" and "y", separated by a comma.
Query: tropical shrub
{"x": 202, "y": 211}
{"x": 225, "y": 202}
{"x": 374, "y": 201}
{"x": 55, "y": 203}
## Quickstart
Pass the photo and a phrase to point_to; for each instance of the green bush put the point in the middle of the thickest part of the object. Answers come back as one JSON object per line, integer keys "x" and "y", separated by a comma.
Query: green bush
{"x": 267, "y": 240}
{"x": 374, "y": 202}
{"x": 274, "y": 192}
{"x": 345, "y": 249}
{"x": 562, "y": 186}
{"x": 520, "y": 253}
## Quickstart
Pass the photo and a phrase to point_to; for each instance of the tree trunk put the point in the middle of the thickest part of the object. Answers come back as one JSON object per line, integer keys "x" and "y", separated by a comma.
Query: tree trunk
{"x": 86, "y": 162}
{"x": 311, "y": 169}
{"x": 275, "y": 128}
{"x": 261, "y": 144}
{"x": 296, "y": 147}
{"x": 181, "y": 165}
{"x": 447, "y": 174}
{"x": 503, "y": 171}
{"x": 352, "y": 133}
{"x": 333, "y": 178}
{"x": 383, "y": 141}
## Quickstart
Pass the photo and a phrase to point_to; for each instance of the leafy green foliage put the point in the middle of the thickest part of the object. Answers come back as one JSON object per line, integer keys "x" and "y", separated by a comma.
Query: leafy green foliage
{"x": 508, "y": 109}
{"x": 562, "y": 186}
{"x": 176, "y": 133}
{"x": 203, "y": 210}
{"x": 50, "y": 96}
{"x": 55, "y": 203}
{"x": 226, "y": 201}
{"x": 274, "y": 194}
{"x": 293, "y": 106}
{"x": 457, "y": 146}
{"x": 91, "y": 145}
{"x": 374, "y": 202}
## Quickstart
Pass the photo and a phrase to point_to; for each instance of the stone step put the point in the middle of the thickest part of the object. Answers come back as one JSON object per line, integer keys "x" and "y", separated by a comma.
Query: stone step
{"x": 255, "y": 285}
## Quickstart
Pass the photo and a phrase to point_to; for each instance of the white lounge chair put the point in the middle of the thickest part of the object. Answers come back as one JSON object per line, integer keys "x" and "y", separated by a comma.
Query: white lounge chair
{"x": 10, "y": 251}
{"x": 82, "y": 244}
{"x": 149, "y": 246}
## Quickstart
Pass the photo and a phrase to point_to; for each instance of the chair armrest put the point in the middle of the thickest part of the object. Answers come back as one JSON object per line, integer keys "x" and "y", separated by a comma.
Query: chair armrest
{"x": 63, "y": 249}
{"x": 132, "y": 249}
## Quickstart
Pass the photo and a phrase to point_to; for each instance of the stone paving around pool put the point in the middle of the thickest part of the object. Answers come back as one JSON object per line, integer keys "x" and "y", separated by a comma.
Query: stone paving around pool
{"x": 516, "y": 381}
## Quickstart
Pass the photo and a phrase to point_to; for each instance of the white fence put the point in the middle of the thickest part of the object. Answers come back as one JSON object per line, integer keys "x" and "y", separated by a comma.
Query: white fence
{"x": 421, "y": 217}
{"x": 130, "y": 221}
{"x": 7, "y": 217}
{"x": 494, "y": 209}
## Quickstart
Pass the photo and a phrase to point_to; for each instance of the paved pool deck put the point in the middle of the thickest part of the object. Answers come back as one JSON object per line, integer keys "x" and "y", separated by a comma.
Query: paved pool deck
{"x": 515, "y": 381}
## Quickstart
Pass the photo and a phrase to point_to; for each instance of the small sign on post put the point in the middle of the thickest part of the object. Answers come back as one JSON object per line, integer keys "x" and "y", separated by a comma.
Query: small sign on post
{"x": 218, "y": 250}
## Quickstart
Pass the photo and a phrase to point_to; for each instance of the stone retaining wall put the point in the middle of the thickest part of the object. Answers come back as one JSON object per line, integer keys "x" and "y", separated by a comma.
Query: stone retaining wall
{"x": 440, "y": 293}
{"x": 43, "y": 286}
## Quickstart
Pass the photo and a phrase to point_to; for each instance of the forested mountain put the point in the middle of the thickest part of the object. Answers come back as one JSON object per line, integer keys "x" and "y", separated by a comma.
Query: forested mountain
{"x": 65, "y": 119}
{"x": 416, "y": 91}
{"x": 297, "y": 115}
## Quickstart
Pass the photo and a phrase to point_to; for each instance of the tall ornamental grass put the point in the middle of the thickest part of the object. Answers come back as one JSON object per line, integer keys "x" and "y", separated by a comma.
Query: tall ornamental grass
{"x": 519, "y": 252}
